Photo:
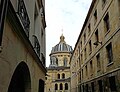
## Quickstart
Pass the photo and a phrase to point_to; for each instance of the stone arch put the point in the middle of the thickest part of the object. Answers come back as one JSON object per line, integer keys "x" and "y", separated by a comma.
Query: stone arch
{"x": 20, "y": 81}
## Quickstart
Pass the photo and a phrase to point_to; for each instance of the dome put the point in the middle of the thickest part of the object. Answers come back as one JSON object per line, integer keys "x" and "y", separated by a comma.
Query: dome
{"x": 62, "y": 46}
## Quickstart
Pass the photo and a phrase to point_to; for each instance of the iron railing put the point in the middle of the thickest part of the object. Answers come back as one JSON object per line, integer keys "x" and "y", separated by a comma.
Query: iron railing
{"x": 22, "y": 12}
{"x": 36, "y": 45}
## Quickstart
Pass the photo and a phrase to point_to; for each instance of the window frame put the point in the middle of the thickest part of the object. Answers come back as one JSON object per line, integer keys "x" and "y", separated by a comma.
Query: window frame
{"x": 97, "y": 36}
{"x": 58, "y": 76}
{"x": 107, "y": 23}
{"x": 98, "y": 62}
{"x": 56, "y": 86}
{"x": 109, "y": 52}
{"x": 66, "y": 86}
{"x": 95, "y": 16}
{"x": 63, "y": 76}
{"x": 89, "y": 29}
{"x": 90, "y": 47}
{"x": 112, "y": 83}
{"x": 61, "y": 86}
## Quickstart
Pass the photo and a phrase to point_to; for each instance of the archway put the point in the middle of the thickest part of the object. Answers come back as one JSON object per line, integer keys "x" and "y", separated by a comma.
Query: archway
{"x": 20, "y": 81}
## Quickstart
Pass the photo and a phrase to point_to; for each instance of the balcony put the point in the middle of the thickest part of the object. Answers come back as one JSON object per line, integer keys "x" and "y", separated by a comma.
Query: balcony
{"x": 36, "y": 45}
{"x": 22, "y": 13}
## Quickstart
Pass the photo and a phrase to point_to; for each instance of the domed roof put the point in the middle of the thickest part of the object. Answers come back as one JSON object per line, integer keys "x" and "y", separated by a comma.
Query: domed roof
{"x": 62, "y": 46}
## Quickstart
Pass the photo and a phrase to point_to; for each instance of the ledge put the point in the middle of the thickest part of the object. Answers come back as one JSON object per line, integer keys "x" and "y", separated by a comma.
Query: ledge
{"x": 109, "y": 64}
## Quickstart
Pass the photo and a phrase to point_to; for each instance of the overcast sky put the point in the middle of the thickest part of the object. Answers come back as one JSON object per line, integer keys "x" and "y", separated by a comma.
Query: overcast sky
{"x": 66, "y": 15}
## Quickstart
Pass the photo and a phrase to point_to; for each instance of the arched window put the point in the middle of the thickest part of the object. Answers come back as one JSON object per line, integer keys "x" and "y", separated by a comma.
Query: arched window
{"x": 65, "y": 61}
{"x": 63, "y": 76}
{"x": 58, "y": 76}
{"x": 61, "y": 86}
{"x": 56, "y": 86}
{"x": 66, "y": 86}
{"x": 54, "y": 60}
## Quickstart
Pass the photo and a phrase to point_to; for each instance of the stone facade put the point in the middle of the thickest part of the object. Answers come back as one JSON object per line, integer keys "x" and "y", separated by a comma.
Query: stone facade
{"x": 22, "y": 46}
{"x": 58, "y": 73}
{"x": 96, "y": 57}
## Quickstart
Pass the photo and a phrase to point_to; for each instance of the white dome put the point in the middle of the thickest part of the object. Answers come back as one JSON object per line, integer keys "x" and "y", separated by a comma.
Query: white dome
{"x": 62, "y": 46}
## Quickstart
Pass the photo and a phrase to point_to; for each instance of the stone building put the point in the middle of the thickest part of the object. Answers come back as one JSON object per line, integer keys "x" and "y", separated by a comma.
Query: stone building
{"x": 58, "y": 72}
{"x": 22, "y": 45}
{"x": 95, "y": 62}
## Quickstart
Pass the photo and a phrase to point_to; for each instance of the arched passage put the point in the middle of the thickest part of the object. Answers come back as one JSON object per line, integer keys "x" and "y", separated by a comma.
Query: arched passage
{"x": 20, "y": 81}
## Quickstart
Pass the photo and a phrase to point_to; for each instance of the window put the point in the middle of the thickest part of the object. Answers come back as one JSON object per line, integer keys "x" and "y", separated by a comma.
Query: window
{"x": 35, "y": 13}
{"x": 82, "y": 88}
{"x": 81, "y": 44}
{"x": 63, "y": 75}
{"x": 41, "y": 85}
{"x": 53, "y": 60}
{"x": 119, "y": 5}
{"x": 95, "y": 16}
{"x": 36, "y": 45}
{"x": 92, "y": 85}
{"x": 82, "y": 73}
{"x": 85, "y": 53}
{"x": 96, "y": 36}
{"x": 112, "y": 84}
{"x": 3, "y": 11}
{"x": 66, "y": 86}
{"x": 50, "y": 61}
{"x": 82, "y": 58}
{"x": 23, "y": 15}
{"x": 98, "y": 62}
{"x": 84, "y": 37}
{"x": 86, "y": 70}
{"x": 86, "y": 87}
{"x": 109, "y": 53}
{"x": 106, "y": 23}
{"x": 89, "y": 29}
{"x": 100, "y": 86}
{"x": 90, "y": 46}
{"x": 58, "y": 76}
{"x": 56, "y": 61}
{"x": 65, "y": 61}
{"x": 56, "y": 86}
{"x": 91, "y": 66}
{"x": 61, "y": 86}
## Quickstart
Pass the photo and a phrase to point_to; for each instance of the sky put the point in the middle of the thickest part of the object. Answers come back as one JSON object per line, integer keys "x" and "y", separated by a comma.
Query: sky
{"x": 66, "y": 15}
